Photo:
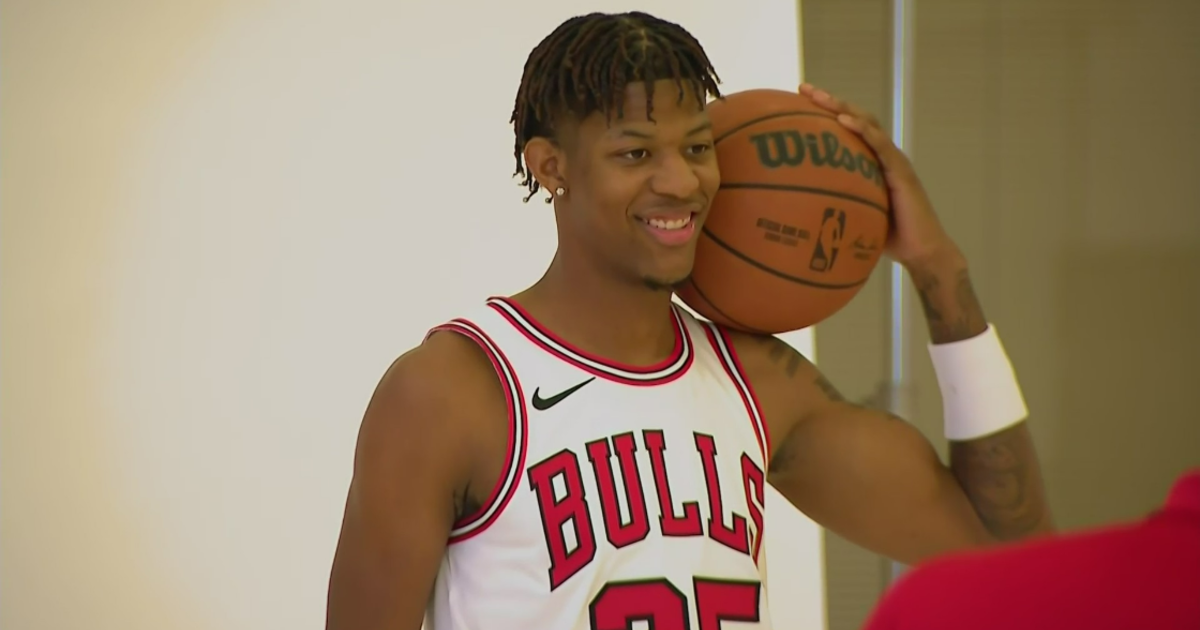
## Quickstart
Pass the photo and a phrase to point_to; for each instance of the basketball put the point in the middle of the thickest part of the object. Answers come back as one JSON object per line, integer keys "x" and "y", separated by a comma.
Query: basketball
{"x": 799, "y": 222}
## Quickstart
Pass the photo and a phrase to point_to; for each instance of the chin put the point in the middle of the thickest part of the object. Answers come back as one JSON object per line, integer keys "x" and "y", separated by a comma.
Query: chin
{"x": 667, "y": 282}
{"x": 672, "y": 270}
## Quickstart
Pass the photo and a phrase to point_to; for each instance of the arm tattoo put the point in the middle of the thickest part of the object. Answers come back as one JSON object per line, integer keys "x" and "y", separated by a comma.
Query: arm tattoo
{"x": 782, "y": 354}
{"x": 999, "y": 473}
{"x": 952, "y": 310}
{"x": 830, "y": 391}
{"x": 1000, "y": 476}
{"x": 789, "y": 360}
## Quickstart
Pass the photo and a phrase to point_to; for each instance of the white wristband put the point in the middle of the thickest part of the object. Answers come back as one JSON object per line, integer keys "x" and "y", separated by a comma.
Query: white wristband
{"x": 980, "y": 393}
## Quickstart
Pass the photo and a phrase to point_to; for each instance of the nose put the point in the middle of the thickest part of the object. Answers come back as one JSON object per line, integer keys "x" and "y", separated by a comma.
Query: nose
{"x": 675, "y": 177}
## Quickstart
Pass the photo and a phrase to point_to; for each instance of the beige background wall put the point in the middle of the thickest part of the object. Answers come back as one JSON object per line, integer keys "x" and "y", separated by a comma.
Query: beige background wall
{"x": 1058, "y": 140}
{"x": 221, "y": 221}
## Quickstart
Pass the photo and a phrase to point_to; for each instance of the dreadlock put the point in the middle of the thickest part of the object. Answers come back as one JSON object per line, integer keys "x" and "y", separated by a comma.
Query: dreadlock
{"x": 585, "y": 65}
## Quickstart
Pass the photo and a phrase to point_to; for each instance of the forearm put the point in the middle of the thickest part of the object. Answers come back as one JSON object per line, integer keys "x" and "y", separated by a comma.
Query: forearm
{"x": 999, "y": 473}
{"x": 1001, "y": 477}
{"x": 952, "y": 311}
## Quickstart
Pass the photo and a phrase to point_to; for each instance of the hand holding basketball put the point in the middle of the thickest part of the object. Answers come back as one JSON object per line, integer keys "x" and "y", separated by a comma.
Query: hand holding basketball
{"x": 813, "y": 192}
{"x": 916, "y": 235}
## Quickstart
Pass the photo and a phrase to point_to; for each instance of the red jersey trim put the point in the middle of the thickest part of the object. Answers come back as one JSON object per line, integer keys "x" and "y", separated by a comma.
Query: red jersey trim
{"x": 675, "y": 366}
{"x": 733, "y": 368}
{"x": 518, "y": 427}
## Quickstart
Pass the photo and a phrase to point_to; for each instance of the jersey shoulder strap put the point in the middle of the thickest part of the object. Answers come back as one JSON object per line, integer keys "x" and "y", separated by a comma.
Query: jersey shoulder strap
{"x": 481, "y": 329}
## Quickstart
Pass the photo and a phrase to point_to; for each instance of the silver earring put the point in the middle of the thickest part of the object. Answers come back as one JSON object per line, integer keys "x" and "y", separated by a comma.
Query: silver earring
{"x": 560, "y": 191}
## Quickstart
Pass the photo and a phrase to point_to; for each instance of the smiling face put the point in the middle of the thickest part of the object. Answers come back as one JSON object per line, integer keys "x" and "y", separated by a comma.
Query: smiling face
{"x": 611, "y": 109}
{"x": 639, "y": 186}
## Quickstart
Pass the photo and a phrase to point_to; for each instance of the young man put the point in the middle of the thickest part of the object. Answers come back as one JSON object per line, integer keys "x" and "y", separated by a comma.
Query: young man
{"x": 582, "y": 455}
{"x": 1135, "y": 575}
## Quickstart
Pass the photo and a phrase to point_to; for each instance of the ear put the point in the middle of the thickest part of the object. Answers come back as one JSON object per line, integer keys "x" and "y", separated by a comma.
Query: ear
{"x": 547, "y": 161}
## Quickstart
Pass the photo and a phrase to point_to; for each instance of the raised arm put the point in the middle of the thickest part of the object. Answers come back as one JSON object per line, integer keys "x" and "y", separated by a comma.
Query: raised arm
{"x": 421, "y": 451}
{"x": 999, "y": 472}
{"x": 874, "y": 478}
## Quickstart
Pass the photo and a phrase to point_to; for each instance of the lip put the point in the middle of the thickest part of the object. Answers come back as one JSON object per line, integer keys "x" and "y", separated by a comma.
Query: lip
{"x": 675, "y": 237}
{"x": 671, "y": 213}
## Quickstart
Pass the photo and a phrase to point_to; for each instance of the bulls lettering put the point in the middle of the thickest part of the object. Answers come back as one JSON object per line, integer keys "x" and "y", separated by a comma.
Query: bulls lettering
{"x": 623, "y": 500}
{"x": 670, "y": 522}
{"x": 733, "y": 535}
{"x": 620, "y": 534}
{"x": 571, "y": 509}
{"x": 754, "y": 482}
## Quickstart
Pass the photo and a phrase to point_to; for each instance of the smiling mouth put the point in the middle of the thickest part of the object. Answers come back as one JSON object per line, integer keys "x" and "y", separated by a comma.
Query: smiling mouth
{"x": 670, "y": 224}
{"x": 673, "y": 231}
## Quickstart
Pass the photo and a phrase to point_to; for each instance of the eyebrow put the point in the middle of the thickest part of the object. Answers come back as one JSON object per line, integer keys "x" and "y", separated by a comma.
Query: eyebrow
{"x": 631, "y": 133}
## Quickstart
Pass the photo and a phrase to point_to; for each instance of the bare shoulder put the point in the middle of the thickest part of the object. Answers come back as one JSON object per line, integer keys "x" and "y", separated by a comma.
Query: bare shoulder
{"x": 443, "y": 402}
{"x": 444, "y": 380}
{"x": 772, "y": 363}
{"x": 426, "y": 447}
{"x": 766, "y": 356}
{"x": 448, "y": 371}
{"x": 788, "y": 386}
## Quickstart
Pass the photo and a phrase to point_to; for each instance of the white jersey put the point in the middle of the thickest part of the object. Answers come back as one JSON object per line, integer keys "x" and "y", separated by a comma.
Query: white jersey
{"x": 630, "y": 494}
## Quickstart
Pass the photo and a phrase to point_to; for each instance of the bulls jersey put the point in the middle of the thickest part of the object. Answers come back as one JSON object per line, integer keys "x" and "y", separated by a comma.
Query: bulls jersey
{"x": 632, "y": 496}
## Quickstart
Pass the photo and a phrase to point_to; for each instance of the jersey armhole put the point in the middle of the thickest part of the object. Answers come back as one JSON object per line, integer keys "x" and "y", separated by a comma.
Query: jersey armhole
{"x": 733, "y": 368}
{"x": 514, "y": 460}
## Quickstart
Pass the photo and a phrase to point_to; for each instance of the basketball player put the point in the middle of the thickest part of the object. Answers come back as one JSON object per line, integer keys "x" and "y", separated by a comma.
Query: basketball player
{"x": 584, "y": 455}
{"x": 1134, "y": 575}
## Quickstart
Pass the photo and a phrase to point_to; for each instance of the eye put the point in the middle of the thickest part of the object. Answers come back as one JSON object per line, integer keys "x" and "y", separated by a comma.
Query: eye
{"x": 700, "y": 149}
{"x": 636, "y": 155}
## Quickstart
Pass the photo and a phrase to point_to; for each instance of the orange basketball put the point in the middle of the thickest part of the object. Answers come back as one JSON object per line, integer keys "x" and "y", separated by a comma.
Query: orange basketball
{"x": 800, "y": 220}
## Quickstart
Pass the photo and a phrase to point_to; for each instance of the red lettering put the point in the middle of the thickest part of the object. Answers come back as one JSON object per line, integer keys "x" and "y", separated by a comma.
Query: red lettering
{"x": 663, "y": 607}
{"x": 726, "y": 600}
{"x": 558, "y": 512}
{"x": 735, "y": 537}
{"x": 570, "y": 535}
{"x": 620, "y": 534}
{"x": 754, "y": 482}
{"x": 668, "y": 522}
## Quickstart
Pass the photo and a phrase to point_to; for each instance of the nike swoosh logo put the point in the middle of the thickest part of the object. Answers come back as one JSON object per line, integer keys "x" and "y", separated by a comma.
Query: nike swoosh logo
{"x": 542, "y": 404}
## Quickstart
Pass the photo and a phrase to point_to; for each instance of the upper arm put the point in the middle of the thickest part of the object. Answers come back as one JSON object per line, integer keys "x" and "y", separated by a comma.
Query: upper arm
{"x": 412, "y": 467}
{"x": 863, "y": 473}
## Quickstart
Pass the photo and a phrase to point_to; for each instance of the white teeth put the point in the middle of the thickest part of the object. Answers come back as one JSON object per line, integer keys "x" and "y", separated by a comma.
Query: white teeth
{"x": 674, "y": 224}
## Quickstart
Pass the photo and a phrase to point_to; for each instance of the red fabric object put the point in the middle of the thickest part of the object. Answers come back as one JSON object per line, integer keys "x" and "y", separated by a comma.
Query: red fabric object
{"x": 1137, "y": 576}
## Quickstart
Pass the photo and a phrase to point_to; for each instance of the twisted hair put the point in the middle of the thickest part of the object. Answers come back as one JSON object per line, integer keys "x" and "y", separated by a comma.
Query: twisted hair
{"x": 585, "y": 64}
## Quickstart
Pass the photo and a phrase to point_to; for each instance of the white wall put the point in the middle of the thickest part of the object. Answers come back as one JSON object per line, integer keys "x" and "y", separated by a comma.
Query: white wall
{"x": 221, "y": 221}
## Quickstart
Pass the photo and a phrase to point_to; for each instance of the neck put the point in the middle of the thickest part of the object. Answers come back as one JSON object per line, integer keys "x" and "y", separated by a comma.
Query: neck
{"x": 623, "y": 321}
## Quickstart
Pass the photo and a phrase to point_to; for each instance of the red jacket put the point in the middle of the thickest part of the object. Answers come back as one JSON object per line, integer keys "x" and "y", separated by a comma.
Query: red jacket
{"x": 1138, "y": 576}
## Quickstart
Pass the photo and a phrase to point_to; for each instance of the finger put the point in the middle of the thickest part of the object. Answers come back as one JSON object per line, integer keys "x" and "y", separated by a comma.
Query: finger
{"x": 875, "y": 138}
{"x": 822, "y": 98}
{"x": 827, "y": 100}
{"x": 863, "y": 115}
{"x": 856, "y": 120}
{"x": 858, "y": 112}
{"x": 835, "y": 104}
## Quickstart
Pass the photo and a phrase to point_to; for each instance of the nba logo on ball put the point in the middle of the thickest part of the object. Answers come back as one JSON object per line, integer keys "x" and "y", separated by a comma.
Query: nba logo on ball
{"x": 797, "y": 188}
{"x": 829, "y": 240}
